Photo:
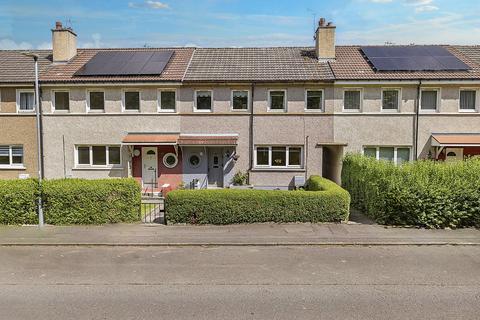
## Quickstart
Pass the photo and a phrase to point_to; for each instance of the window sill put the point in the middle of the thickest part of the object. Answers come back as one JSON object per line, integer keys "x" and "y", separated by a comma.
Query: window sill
{"x": 202, "y": 111}
{"x": 352, "y": 110}
{"x": 131, "y": 111}
{"x": 239, "y": 110}
{"x": 314, "y": 110}
{"x": 467, "y": 111}
{"x": 276, "y": 110}
{"x": 95, "y": 111}
{"x": 99, "y": 168}
{"x": 270, "y": 169}
{"x": 167, "y": 111}
{"x": 390, "y": 110}
{"x": 13, "y": 168}
{"x": 26, "y": 111}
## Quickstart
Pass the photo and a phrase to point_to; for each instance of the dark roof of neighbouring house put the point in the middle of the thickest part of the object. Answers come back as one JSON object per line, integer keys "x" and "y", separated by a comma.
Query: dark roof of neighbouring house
{"x": 257, "y": 64}
{"x": 17, "y": 68}
{"x": 174, "y": 70}
{"x": 351, "y": 64}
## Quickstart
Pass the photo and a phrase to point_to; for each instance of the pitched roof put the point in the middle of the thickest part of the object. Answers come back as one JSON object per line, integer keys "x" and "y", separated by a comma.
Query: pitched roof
{"x": 472, "y": 52}
{"x": 350, "y": 64}
{"x": 257, "y": 64}
{"x": 17, "y": 68}
{"x": 174, "y": 71}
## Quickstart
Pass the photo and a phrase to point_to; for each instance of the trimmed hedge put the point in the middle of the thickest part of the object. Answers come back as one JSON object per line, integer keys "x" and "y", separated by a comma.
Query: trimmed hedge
{"x": 423, "y": 193}
{"x": 79, "y": 201}
{"x": 18, "y": 201}
{"x": 323, "y": 201}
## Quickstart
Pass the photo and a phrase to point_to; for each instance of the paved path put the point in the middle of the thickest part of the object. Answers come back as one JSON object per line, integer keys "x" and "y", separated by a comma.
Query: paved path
{"x": 263, "y": 282}
{"x": 252, "y": 234}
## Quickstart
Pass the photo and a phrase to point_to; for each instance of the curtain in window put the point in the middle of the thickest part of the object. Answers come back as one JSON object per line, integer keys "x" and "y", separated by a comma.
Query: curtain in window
{"x": 467, "y": 100}
{"x": 352, "y": 100}
{"x": 26, "y": 100}
{"x": 429, "y": 100}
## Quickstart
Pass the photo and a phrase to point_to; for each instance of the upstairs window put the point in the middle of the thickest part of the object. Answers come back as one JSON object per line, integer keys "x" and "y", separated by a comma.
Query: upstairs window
{"x": 314, "y": 100}
{"x": 100, "y": 156}
{"x": 132, "y": 100}
{"x": 429, "y": 100}
{"x": 203, "y": 100}
{"x": 11, "y": 156}
{"x": 25, "y": 101}
{"x": 167, "y": 101}
{"x": 468, "y": 100}
{"x": 351, "y": 100}
{"x": 96, "y": 100}
{"x": 61, "y": 100}
{"x": 240, "y": 100}
{"x": 277, "y": 100}
{"x": 390, "y": 100}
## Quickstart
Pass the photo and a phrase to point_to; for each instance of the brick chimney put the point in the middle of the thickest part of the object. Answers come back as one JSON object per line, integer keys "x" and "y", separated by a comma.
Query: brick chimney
{"x": 325, "y": 41}
{"x": 64, "y": 43}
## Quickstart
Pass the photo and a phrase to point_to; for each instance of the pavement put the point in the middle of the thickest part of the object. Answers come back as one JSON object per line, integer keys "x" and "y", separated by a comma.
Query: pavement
{"x": 240, "y": 282}
{"x": 264, "y": 234}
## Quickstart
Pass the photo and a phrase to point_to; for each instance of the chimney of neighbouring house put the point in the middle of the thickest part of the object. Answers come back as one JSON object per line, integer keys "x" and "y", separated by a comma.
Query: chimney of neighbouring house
{"x": 325, "y": 40}
{"x": 64, "y": 43}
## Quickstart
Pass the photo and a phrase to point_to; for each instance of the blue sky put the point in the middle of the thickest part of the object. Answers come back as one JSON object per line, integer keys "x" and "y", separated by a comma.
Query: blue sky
{"x": 26, "y": 24}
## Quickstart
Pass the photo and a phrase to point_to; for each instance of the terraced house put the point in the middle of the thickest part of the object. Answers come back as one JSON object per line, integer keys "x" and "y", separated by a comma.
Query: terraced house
{"x": 197, "y": 116}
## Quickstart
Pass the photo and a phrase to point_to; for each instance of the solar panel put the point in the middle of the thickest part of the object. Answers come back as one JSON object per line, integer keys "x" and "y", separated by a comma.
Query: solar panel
{"x": 112, "y": 62}
{"x": 413, "y": 58}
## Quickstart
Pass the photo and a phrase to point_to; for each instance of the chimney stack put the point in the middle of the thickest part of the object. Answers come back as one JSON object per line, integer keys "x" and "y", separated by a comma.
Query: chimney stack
{"x": 325, "y": 41}
{"x": 64, "y": 43}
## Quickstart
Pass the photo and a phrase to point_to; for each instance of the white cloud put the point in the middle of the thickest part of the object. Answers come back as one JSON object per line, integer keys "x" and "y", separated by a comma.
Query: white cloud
{"x": 422, "y": 5}
{"x": 418, "y": 2}
{"x": 425, "y": 9}
{"x": 149, "y": 4}
{"x": 95, "y": 43}
{"x": 45, "y": 46}
{"x": 381, "y": 1}
{"x": 9, "y": 44}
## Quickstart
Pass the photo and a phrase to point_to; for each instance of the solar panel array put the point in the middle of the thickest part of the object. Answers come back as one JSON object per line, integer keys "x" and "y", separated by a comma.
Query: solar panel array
{"x": 115, "y": 63}
{"x": 413, "y": 58}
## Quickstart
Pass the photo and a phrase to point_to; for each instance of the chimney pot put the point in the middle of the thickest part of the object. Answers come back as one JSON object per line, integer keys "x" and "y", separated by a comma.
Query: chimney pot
{"x": 321, "y": 22}
{"x": 58, "y": 25}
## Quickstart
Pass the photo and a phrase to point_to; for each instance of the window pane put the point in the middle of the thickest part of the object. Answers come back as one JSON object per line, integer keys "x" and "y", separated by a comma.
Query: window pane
{"x": 99, "y": 155}
{"x": 240, "y": 100}
{"x": 279, "y": 156}
{"x": 294, "y": 156}
{"x": 27, "y": 100}
{"x": 262, "y": 156}
{"x": 17, "y": 155}
{"x": 390, "y": 100}
{"x": 167, "y": 100}
{"x": 352, "y": 100}
{"x": 113, "y": 155}
{"x": 277, "y": 100}
{"x": 467, "y": 99}
{"x": 429, "y": 100}
{"x": 386, "y": 154}
{"x": 62, "y": 101}
{"x": 132, "y": 100}
{"x": 204, "y": 100}
{"x": 403, "y": 155}
{"x": 314, "y": 100}
{"x": 370, "y": 152}
{"x": 97, "y": 100}
{"x": 4, "y": 155}
{"x": 83, "y": 155}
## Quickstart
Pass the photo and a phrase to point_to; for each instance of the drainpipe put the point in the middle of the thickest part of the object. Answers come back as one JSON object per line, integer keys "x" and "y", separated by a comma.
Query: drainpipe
{"x": 250, "y": 134}
{"x": 417, "y": 113}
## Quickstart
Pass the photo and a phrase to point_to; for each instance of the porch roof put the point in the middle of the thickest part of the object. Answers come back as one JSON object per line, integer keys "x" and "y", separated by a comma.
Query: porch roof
{"x": 208, "y": 140}
{"x": 150, "y": 139}
{"x": 455, "y": 139}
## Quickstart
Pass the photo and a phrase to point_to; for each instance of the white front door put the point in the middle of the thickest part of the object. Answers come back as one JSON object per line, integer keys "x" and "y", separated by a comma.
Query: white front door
{"x": 149, "y": 167}
{"x": 454, "y": 154}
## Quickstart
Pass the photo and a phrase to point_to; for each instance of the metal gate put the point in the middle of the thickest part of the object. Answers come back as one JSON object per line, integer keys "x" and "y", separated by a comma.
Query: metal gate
{"x": 153, "y": 209}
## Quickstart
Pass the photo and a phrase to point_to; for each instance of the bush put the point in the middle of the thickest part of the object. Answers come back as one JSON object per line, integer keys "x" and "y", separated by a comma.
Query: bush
{"x": 423, "y": 193}
{"x": 18, "y": 201}
{"x": 324, "y": 201}
{"x": 79, "y": 201}
{"x": 240, "y": 178}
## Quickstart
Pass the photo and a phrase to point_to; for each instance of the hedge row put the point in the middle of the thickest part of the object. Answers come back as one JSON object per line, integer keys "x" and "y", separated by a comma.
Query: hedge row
{"x": 71, "y": 201}
{"x": 323, "y": 201}
{"x": 423, "y": 193}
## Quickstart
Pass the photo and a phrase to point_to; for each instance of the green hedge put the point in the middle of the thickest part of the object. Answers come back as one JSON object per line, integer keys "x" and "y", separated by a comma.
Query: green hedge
{"x": 79, "y": 201}
{"x": 423, "y": 193}
{"x": 323, "y": 201}
{"x": 18, "y": 201}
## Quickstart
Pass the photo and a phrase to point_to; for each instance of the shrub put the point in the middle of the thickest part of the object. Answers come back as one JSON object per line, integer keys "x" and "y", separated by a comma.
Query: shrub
{"x": 423, "y": 193}
{"x": 240, "y": 178}
{"x": 18, "y": 201}
{"x": 79, "y": 201}
{"x": 326, "y": 202}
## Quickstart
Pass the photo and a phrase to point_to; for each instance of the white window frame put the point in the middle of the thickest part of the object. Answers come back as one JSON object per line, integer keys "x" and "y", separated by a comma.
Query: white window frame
{"x": 399, "y": 90}
{"x": 159, "y": 100}
{"x": 18, "y": 91}
{"x": 164, "y": 158}
{"x": 54, "y": 109}
{"x": 285, "y": 101}
{"x": 476, "y": 100}
{"x": 195, "y": 101}
{"x": 88, "y": 100}
{"x": 287, "y": 166}
{"x": 10, "y": 156}
{"x": 395, "y": 159}
{"x": 361, "y": 100}
{"x": 91, "y": 165}
{"x": 124, "y": 106}
{"x": 248, "y": 100}
{"x": 439, "y": 99}
{"x": 322, "y": 103}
